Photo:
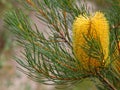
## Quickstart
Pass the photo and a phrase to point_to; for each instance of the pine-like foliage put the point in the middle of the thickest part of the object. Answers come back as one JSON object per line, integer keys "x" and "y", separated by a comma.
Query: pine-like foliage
{"x": 79, "y": 45}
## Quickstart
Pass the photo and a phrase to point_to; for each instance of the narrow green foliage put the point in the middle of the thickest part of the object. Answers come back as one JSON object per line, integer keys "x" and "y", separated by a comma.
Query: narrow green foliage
{"x": 51, "y": 59}
{"x": 44, "y": 57}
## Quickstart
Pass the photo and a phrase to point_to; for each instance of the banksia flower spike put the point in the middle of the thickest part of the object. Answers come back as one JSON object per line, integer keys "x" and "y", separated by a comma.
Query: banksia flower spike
{"x": 97, "y": 27}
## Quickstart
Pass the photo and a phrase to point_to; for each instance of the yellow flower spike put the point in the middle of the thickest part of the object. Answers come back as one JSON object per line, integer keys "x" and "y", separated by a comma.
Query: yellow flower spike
{"x": 98, "y": 27}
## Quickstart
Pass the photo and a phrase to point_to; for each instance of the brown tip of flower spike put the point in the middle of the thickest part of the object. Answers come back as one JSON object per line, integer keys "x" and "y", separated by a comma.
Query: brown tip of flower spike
{"x": 30, "y": 2}
{"x": 119, "y": 46}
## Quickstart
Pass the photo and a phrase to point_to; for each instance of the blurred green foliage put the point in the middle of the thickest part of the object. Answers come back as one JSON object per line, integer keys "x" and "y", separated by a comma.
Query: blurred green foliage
{"x": 4, "y": 5}
{"x": 5, "y": 41}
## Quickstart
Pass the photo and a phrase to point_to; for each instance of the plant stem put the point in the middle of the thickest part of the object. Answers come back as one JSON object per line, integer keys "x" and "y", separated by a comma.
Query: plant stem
{"x": 106, "y": 81}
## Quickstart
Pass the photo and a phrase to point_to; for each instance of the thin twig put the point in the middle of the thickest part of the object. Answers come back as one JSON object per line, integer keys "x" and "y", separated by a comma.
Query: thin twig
{"x": 63, "y": 37}
{"x": 30, "y": 3}
{"x": 46, "y": 17}
{"x": 105, "y": 80}
{"x": 65, "y": 24}
{"x": 59, "y": 78}
{"x": 68, "y": 66}
{"x": 116, "y": 26}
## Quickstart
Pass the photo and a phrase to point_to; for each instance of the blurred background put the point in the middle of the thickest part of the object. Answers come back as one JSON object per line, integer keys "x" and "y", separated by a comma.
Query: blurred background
{"x": 10, "y": 77}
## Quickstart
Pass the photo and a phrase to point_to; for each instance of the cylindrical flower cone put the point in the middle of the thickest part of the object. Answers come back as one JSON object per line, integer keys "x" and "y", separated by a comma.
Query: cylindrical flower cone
{"x": 96, "y": 26}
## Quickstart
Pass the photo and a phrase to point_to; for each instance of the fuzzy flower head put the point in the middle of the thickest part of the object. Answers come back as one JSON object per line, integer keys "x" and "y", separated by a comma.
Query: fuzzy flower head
{"x": 96, "y": 26}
